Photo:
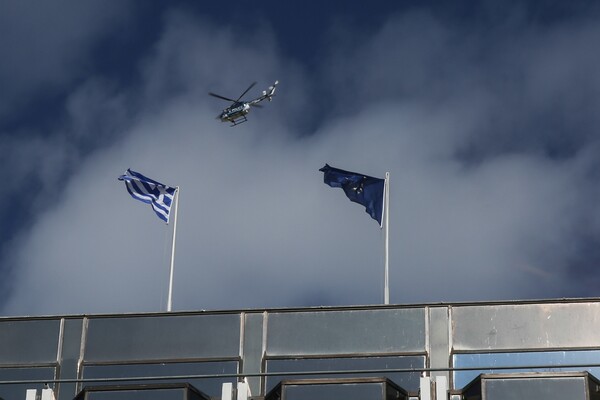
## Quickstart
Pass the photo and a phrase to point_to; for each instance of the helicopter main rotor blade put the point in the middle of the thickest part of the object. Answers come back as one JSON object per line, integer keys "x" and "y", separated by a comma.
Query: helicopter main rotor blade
{"x": 246, "y": 91}
{"x": 220, "y": 97}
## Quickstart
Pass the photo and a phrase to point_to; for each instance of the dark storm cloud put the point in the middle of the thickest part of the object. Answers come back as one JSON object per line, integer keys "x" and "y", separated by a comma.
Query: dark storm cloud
{"x": 46, "y": 45}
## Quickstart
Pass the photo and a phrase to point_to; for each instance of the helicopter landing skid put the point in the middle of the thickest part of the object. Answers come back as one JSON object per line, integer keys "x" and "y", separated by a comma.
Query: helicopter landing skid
{"x": 238, "y": 121}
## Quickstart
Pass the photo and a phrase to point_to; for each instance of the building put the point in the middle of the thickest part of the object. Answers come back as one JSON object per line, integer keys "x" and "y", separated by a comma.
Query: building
{"x": 451, "y": 351}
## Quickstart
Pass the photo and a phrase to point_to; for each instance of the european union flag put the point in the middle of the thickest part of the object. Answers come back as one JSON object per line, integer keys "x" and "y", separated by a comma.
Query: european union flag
{"x": 359, "y": 188}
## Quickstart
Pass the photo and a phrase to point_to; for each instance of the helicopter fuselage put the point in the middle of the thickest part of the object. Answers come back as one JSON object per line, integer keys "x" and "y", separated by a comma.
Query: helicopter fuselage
{"x": 235, "y": 112}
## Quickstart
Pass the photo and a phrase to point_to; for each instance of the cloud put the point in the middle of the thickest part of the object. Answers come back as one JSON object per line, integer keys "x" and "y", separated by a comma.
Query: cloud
{"x": 47, "y": 46}
{"x": 481, "y": 208}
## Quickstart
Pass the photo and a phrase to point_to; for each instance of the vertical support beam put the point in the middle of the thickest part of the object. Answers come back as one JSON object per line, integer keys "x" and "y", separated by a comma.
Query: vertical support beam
{"x": 252, "y": 349}
{"x": 69, "y": 357}
{"x": 227, "y": 391}
{"x": 47, "y": 394}
{"x": 441, "y": 388}
{"x": 439, "y": 341}
{"x": 425, "y": 388}
{"x": 243, "y": 391}
{"x": 31, "y": 394}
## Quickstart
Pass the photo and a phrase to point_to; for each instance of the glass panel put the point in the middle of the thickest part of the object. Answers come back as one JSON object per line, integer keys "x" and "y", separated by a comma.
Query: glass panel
{"x": 210, "y": 386}
{"x": 407, "y": 380}
{"x": 29, "y": 342}
{"x": 163, "y": 337}
{"x": 525, "y": 326}
{"x": 346, "y": 332}
{"x": 17, "y": 392}
{"x": 548, "y": 360}
{"x": 356, "y": 391}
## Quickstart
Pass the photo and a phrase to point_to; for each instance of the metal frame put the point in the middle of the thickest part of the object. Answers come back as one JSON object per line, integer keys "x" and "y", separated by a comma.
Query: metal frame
{"x": 255, "y": 332}
{"x": 83, "y": 394}
{"x": 267, "y": 373}
{"x": 482, "y": 379}
{"x": 280, "y": 387}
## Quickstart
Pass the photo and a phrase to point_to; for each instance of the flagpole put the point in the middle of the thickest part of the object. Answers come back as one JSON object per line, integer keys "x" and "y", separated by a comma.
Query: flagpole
{"x": 170, "y": 299}
{"x": 386, "y": 232}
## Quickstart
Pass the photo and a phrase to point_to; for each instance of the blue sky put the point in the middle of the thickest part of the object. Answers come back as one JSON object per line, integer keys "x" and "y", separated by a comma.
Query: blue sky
{"x": 485, "y": 116}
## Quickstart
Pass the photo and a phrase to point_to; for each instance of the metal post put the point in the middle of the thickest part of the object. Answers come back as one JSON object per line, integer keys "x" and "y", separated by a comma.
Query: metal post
{"x": 170, "y": 299}
{"x": 386, "y": 200}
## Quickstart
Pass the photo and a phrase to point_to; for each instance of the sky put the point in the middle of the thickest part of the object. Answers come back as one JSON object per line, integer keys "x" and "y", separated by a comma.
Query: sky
{"x": 485, "y": 114}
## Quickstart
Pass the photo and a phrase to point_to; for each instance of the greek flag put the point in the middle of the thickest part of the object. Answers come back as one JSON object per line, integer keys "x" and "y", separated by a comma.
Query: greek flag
{"x": 158, "y": 195}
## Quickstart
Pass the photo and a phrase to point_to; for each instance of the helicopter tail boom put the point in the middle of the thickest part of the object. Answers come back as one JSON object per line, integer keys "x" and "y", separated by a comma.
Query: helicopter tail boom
{"x": 270, "y": 92}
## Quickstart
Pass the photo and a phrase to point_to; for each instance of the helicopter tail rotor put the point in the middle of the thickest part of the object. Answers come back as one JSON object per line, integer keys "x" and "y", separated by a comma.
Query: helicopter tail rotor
{"x": 270, "y": 92}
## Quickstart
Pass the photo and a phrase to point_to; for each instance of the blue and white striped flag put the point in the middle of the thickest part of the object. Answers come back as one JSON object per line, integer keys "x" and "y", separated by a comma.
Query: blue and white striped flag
{"x": 158, "y": 195}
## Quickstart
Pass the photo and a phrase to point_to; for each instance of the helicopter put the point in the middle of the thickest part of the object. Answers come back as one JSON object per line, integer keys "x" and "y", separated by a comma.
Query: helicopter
{"x": 236, "y": 112}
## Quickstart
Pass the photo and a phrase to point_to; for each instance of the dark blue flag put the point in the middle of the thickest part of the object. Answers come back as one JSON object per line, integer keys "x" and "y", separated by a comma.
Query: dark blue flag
{"x": 359, "y": 188}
